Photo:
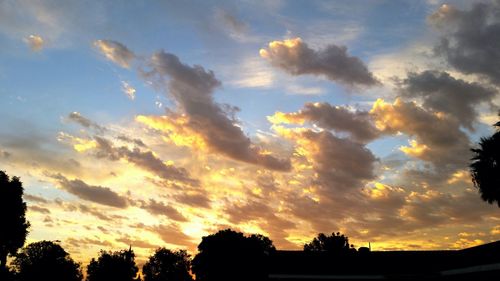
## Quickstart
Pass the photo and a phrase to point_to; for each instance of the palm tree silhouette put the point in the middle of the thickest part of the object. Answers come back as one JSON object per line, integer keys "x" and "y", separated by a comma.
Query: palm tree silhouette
{"x": 485, "y": 167}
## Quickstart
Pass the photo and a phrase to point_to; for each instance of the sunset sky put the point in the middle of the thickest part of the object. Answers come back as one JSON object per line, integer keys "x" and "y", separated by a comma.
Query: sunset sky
{"x": 154, "y": 123}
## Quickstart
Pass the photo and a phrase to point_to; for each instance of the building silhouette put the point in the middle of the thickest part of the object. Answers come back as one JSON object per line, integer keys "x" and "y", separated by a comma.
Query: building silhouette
{"x": 475, "y": 263}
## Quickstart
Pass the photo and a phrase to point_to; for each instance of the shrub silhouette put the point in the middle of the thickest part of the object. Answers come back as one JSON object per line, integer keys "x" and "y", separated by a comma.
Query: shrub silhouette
{"x": 116, "y": 266}
{"x": 230, "y": 255}
{"x": 12, "y": 217}
{"x": 485, "y": 167}
{"x": 166, "y": 265}
{"x": 335, "y": 243}
{"x": 45, "y": 260}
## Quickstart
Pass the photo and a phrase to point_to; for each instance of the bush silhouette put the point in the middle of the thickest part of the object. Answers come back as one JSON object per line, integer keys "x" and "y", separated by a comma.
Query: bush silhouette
{"x": 45, "y": 260}
{"x": 166, "y": 265}
{"x": 336, "y": 243}
{"x": 116, "y": 266}
{"x": 230, "y": 255}
{"x": 12, "y": 218}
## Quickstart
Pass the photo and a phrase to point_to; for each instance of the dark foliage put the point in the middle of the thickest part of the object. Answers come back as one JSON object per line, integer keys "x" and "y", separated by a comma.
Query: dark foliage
{"x": 335, "y": 243}
{"x": 116, "y": 266}
{"x": 166, "y": 265}
{"x": 45, "y": 260}
{"x": 12, "y": 217}
{"x": 6, "y": 274}
{"x": 485, "y": 168}
{"x": 230, "y": 255}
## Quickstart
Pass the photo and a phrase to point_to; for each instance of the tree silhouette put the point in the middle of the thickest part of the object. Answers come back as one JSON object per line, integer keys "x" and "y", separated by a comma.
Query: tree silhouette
{"x": 230, "y": 255}
{"x": 12, "y": 217}
{"x": 116, "y": 266}
{"x": 45, "y": 260}
{"x": 335, "y": 243}
{"x": 166, "y": 265}
{"x": 485, "y": 167}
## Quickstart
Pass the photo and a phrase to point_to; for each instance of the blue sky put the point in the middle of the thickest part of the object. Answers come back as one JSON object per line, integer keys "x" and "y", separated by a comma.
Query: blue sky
{"x": 286, "y": 118}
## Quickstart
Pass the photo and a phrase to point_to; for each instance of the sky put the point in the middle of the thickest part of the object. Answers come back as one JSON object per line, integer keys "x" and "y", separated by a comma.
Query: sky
{"x": 154, "y": 123}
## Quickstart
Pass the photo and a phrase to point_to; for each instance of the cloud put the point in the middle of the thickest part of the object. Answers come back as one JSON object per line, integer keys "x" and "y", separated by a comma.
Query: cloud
{"x": 115, "y": 52}
{"x": 265, "y": 216}
{"x": 199, "y": 120}
{"x": 338, "y": 163}
{"x": 432, "y": 208}
{"x": 32, "y": 148}
{"x": 438, "y": 138}
{"x": 236, "y": 28}
{"x": 100, "y": 214}
{"x": 84, "y": 121}
{"x": 35, "y": 42}
{"x": 254, "y": 73}
{"x": 38, "y": 209}
{"x": 297, "y": 89}
{"x": 358, "y": 124}
{"x": 143, "y": 159}
{"x": 469, "y": 40}
{"x": 134, "y": 141}
{"x": 198, "y": 200}
{"x": 5, "y": 154}
{"x": 136, "y": 243}
{"x": 35, "y": 198}
{"x": 158, "y": 208}
{"x": 128, "y": 90}
{"x": 98, "y": 194}
{"x": 172, "y": 234}
{"x": 443, "y": 93}
{"x": 296, "y": 58}
{"x": 86, "y": 241}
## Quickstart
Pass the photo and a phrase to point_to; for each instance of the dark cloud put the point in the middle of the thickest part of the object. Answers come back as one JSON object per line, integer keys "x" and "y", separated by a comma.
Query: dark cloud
{"x": 84, "y": 121}
{"x": 115, "y": 52}
{"x": 199, "y": 200}
{"x": 172, "y": 234}
{"x": 100, "y": 214}
{"x": 340, "y": 163}
{"x": 97, "y": 194}
{"x": 192, "y": 87}
{"x": 438, "y": 139}
{"x": 35, "y": 198}
{"x": 336, "y": 171}
{"x": 143, "y": 159}
{"x": 158, "y": 208}
{"x": 470, "y": 39}
{"x": 38, "y": 209}
{"x": 358, "y": 124}
{"x": 134, "y": 141}
{"x": 434, "y": 208}
{"x": 296, "y": 58}
{"x": 86, "y": 241}
{"x": 73, "y": 163}
{"x": 441, "y": 92}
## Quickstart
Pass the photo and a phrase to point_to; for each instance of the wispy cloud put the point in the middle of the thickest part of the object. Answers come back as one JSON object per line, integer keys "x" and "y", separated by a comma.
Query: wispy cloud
{"x": 115, "y": 52}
